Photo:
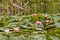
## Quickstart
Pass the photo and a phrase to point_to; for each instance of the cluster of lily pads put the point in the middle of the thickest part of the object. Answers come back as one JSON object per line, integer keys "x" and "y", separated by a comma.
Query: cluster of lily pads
{"x": 32, "y": 23}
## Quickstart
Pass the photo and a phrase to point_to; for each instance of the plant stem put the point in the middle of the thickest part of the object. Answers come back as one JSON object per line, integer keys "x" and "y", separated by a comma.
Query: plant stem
{"x": 4, "y": 11}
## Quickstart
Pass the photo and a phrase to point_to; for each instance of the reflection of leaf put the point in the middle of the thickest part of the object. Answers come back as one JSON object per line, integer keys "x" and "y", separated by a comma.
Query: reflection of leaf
{"x": 57, "y": 24}
{"x": 54, "y": 38}
{"x": 3, "y": 37}
{"x": 38, "y": 37}
{"x": 56, "y": 18}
